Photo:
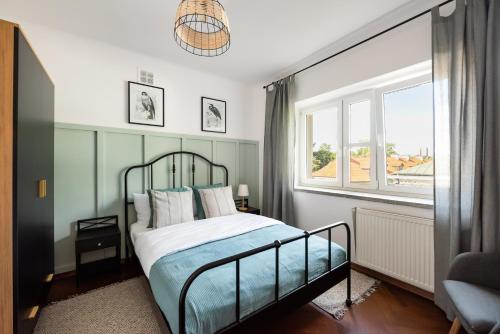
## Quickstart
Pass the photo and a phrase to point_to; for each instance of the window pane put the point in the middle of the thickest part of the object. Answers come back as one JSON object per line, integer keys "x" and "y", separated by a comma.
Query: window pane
{"x": 324, "y": 144}
{"x": 359, "y": 122}
{"x": 408, "y": 118}
{"x": 359, "y": 165}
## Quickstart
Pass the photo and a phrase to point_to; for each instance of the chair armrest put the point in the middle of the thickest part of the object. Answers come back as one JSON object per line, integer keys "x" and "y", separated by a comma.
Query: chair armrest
{"x": 477, "y": 268}
{"x": 496, "y": 329}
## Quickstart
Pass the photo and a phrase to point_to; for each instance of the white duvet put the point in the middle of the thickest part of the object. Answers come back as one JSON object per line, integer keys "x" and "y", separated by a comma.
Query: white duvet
{"x": 154, "y": 244}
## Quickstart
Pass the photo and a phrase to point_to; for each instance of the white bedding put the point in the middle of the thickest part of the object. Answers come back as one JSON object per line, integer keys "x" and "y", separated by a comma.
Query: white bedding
{"x": 150, "y": 245}
{"x": 138, "y": 228}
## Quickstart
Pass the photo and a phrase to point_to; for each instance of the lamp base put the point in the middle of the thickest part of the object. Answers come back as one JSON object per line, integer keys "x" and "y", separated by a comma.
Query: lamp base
{"x": 243, "y": 208}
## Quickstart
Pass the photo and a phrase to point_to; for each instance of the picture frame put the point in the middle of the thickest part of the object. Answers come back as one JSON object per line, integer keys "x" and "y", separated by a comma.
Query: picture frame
{"x": 146, "y": 104}
{"x": 213, "y": 115}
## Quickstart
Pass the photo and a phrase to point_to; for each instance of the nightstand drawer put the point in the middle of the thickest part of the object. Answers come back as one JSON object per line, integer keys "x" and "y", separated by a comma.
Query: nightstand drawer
{"x": 97, "y": 243}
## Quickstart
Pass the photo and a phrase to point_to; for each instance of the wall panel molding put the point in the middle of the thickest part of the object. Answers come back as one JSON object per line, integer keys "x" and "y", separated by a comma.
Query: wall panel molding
{"x": 90, "y": 161}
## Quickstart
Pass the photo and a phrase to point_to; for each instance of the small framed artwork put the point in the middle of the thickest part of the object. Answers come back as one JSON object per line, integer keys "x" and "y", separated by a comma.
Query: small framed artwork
{"x": 213, "y": 115}
{"x": 146, "y": 104}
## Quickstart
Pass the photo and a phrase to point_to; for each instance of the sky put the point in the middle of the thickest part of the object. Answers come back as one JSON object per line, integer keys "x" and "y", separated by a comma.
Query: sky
{"x": 323, "y": 123}
{"x": 408, "y": 121}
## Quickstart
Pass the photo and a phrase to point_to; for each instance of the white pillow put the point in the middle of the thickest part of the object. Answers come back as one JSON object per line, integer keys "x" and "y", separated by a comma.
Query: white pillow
{"x": 142, "y": 209}
{"x": 218, "y": 201}
{"x": 172, "y": 207}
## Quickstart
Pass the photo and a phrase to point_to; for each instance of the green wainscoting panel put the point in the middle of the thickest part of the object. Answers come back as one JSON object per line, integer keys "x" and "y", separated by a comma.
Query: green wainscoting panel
{"x": 75, "y": 188}
{"x": 226, "y": 153}
{"x": 203, "y": 147}
{"x": 91, "y": 160}
{"x": 120, "y": 150}
{"x": 155, "y": 146}
{"x": 249, "y": 170}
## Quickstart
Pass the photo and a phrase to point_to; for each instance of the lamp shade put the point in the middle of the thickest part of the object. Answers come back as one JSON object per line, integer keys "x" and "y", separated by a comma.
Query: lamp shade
{"x": 202, "y": 27}
{"x": 243, "y": 190}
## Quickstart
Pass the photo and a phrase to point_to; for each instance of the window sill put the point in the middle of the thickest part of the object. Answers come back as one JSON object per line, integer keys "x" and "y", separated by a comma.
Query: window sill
{"x": 389, "y": 199}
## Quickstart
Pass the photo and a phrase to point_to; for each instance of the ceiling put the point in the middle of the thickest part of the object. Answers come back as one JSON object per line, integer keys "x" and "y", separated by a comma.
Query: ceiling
{"x": 267, "y": 36}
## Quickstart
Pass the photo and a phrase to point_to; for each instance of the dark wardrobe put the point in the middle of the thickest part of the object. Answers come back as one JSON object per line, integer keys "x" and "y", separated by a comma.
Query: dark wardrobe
{"x": 32, "y": 184}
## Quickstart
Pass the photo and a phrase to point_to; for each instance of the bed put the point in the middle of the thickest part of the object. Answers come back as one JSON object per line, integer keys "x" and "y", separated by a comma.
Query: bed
{"x": 215, "y": 275}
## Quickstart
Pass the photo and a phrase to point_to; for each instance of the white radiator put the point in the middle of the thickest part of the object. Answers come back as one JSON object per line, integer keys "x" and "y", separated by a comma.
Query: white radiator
{"x": 396, "y": 245}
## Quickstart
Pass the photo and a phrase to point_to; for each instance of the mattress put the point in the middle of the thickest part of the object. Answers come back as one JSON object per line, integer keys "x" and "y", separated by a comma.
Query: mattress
{"x": 170, "y": 255}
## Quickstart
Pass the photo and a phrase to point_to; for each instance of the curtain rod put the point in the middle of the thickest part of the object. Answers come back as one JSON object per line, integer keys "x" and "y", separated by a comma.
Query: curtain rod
{"x": 363, "y": 41}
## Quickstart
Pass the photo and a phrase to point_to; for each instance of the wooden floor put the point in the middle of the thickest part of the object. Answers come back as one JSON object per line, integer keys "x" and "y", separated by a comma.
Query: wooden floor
{"x": 390, "y": 310}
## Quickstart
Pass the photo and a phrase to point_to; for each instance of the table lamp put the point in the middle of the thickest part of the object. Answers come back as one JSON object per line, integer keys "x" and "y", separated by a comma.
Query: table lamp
{"x": 243, "y": 192}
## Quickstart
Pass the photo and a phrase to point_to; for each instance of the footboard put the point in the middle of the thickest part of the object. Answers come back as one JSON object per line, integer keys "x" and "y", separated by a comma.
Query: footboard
{"x": 303, "y": 294}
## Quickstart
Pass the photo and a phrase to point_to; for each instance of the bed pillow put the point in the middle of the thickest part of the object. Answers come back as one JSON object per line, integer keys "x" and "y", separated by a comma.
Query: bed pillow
{"x": 150, "y": 199}
{"x": 171, "y": 207}
{"x": 142, "y": 208}
{"x": 200, "y": 214}
{"x": 218, "y": 202}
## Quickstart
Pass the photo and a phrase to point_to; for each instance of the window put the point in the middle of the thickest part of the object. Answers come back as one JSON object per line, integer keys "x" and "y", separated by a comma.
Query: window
{"x": 407, "y": 120}
{"x": 378, "y": 139}
{"x": 359, "y": 142}
{"x": 323, "y": 149}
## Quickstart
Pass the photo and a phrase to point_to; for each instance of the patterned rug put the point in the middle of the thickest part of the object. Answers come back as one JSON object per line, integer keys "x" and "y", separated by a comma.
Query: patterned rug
{"x": 127, "y": 307}
{"x": 123, "y": 308}
{"x": 333, "y": 301}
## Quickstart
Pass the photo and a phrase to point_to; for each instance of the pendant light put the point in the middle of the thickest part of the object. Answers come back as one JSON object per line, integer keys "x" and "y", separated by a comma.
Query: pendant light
{"x": 202, "y": 27}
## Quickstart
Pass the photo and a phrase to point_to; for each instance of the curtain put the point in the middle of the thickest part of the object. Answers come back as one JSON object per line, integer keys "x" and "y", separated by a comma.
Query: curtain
{"x": 466, "y": 69}
{"x": 279, "y": 152}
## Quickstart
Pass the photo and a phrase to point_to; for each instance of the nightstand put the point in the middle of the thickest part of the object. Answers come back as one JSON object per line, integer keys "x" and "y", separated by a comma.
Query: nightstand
{"x": 251, "y": 210}
{"x": 96, "y": 234}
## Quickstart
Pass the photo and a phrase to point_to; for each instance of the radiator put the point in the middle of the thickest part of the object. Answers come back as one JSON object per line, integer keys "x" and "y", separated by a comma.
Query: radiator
{"x": 396, "y": 245}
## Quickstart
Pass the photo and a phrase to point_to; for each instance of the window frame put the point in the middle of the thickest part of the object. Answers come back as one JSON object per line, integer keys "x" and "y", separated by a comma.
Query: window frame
{"x": 381, "y": 137}
{"x": 305, "y": 142}
{"x": 366, "y": 95}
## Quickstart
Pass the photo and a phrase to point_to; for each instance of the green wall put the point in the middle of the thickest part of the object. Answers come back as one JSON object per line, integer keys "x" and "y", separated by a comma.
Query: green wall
{"x": 90, "y": 162}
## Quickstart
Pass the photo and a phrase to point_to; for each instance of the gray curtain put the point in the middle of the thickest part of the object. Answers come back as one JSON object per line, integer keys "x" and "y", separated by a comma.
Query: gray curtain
{"x": 279, "y": 152}
{"x": 466, "y": 56}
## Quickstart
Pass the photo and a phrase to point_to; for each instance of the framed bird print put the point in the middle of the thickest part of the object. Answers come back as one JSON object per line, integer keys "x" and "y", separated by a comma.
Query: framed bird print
{"x": 146, "y": 104}
{"x": 213, "y": 115}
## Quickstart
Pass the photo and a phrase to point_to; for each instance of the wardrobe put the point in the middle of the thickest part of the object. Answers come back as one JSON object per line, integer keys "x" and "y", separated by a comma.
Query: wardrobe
{"x": 26, "y": 182}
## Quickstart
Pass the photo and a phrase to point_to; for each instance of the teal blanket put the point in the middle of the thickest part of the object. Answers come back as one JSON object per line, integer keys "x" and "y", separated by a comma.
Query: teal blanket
{"x": 210, "y": 303}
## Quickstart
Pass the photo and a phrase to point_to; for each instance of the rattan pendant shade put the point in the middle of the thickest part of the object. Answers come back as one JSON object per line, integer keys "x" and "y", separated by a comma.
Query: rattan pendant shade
{"x": 202, "y": 27}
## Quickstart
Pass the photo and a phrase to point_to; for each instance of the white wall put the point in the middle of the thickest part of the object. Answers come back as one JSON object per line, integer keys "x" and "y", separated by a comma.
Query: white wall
{"x": 316, "y": 210}
{"x": 407, "y": 45}
{"x": 91, "y": 86}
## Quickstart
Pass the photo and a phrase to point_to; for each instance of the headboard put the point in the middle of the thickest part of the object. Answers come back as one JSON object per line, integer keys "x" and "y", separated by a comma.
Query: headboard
{"x": 173, "y": 170}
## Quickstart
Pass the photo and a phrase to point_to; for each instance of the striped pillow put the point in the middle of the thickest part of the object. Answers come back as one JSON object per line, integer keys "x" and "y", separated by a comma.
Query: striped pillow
{"x": 172, "y": 207}
{"x": 218, "y": 202}
{"x": 150, "y": 224}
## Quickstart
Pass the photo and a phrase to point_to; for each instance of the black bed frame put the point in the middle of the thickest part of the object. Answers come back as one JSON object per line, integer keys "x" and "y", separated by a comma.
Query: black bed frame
{"x": 281, "y": 304}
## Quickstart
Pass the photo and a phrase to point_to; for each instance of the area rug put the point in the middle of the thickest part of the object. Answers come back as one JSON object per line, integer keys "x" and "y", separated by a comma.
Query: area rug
{"x": 127, "y": 307}
{"x": 333, "y": 301}
{"x": 123, "y": 308}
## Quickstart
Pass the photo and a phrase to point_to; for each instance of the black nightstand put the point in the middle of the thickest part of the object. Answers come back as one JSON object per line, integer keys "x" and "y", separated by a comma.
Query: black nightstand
{"x": 95, "y": 234}
{"x": 251, "y": 210}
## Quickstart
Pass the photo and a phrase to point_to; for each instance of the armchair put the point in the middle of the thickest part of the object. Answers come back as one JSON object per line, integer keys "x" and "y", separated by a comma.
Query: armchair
{"x": 473, "y": 286}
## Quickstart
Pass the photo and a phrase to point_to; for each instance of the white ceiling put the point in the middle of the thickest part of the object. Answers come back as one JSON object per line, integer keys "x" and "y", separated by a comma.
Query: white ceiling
{"x": 267, "y": 35}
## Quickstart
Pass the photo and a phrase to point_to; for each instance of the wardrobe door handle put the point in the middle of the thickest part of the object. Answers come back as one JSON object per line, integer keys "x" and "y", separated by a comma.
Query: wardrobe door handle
{"x": 42, "y": 188}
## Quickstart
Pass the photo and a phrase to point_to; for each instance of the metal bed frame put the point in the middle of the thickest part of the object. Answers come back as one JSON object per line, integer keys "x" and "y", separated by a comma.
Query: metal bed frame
{"x": 281, "y": 304}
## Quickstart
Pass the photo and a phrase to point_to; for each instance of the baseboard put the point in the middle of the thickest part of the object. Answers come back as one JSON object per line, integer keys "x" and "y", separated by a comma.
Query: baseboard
{"x": 393, "y": 281}
{"x": 60, "y": 270}
{"x": 63, "y": 275}
{"x": 69, "y": 271}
